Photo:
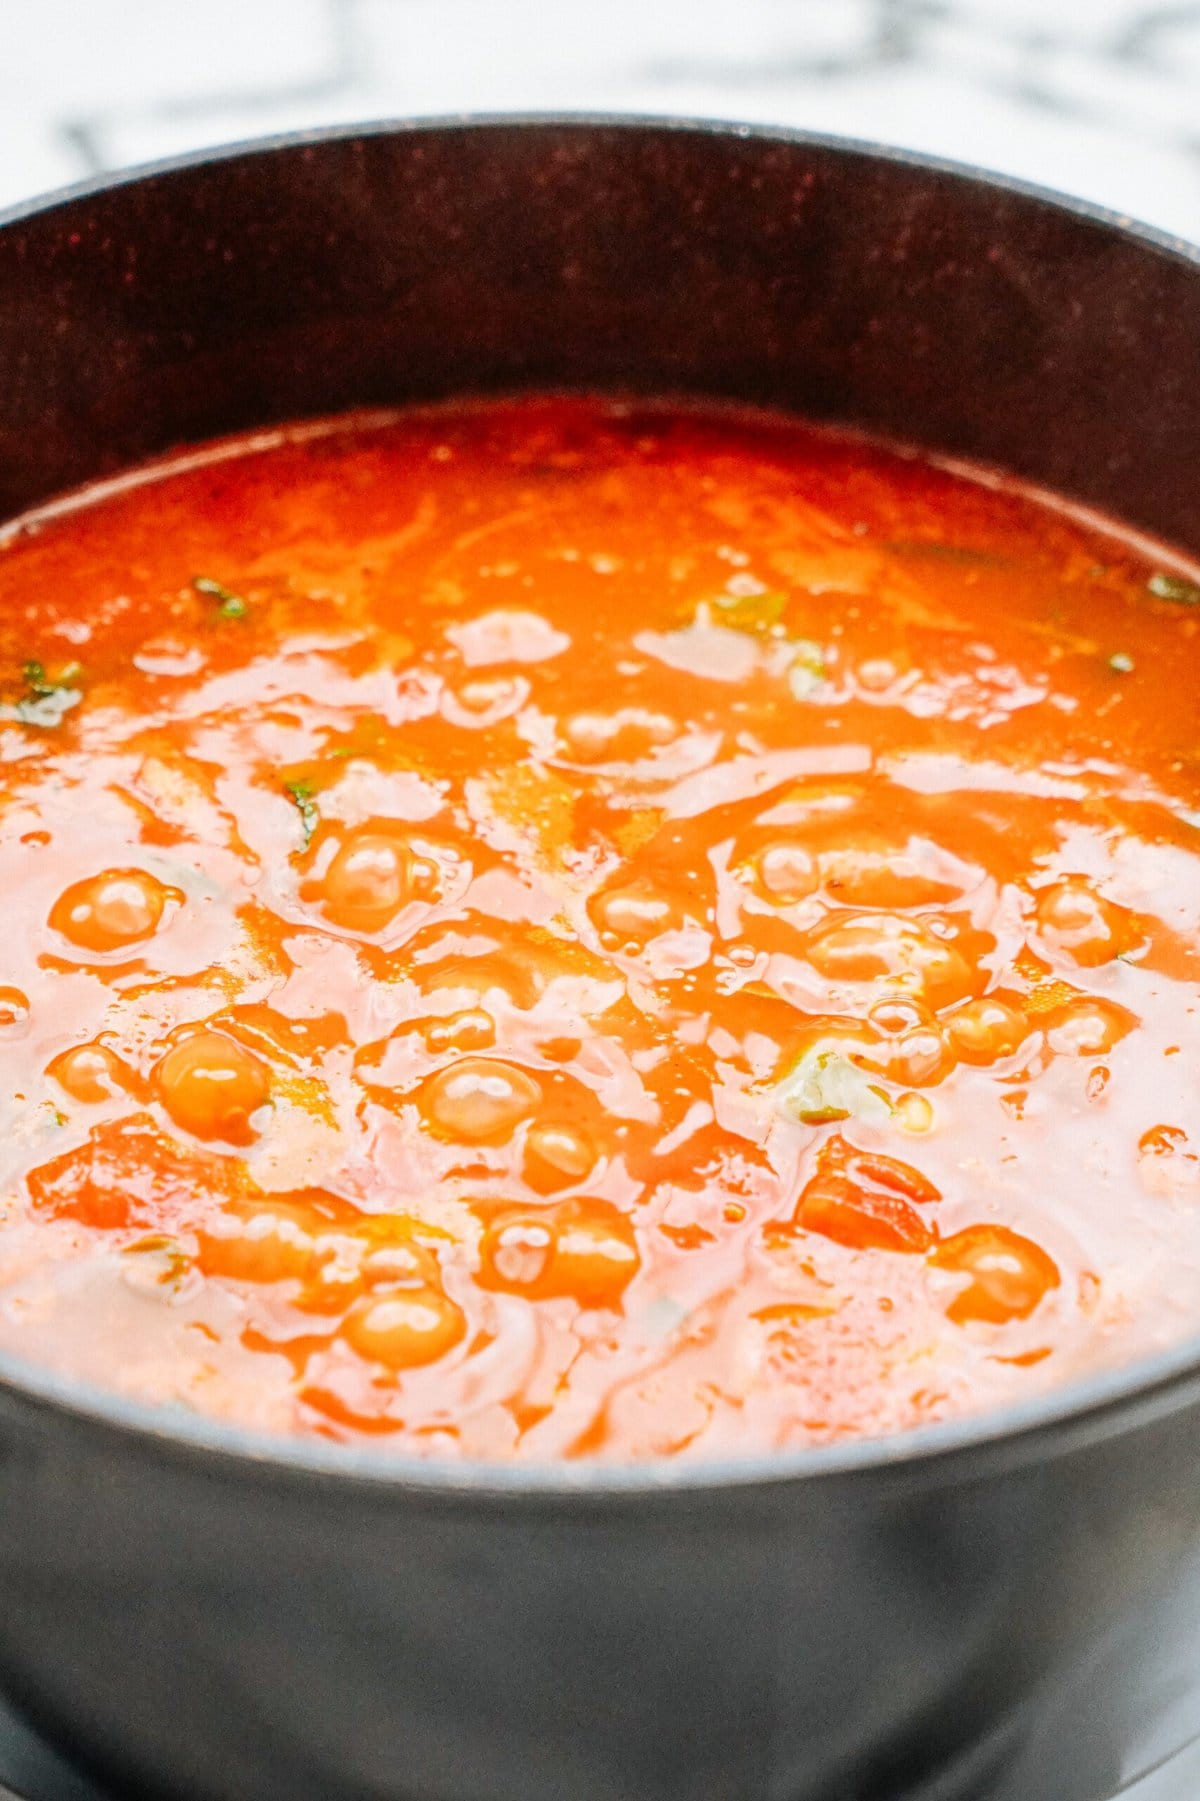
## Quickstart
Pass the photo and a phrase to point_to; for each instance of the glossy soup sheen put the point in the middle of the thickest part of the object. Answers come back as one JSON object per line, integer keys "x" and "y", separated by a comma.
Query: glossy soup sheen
{"x": 554, "y": 929}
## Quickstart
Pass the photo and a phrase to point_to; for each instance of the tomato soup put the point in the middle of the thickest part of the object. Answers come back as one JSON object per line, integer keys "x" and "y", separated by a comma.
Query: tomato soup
{"x": 554, "y": 928}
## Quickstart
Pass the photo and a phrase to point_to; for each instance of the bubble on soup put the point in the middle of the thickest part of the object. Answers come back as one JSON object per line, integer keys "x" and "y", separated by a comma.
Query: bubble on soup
{"x": 472, "y": 1029}
{"x": 786, "y": 873}
{"x": 518, "y": 1252}
{"x": 212, "y": 1086}
{"x": 914, "y": 1113}
{"x": 596, "y": 1253}
{"x": 620, "y": 736}
{"x": 508, "y": 635}
{"x": 401, "y": 1265}
{"x": 1073, "y": 918}
{"x": 885, "y": 947}
{"x": 885, "y": 876}
{"x": 405, "y": 1330}
{"x": 984, "y": 1030}
{"x": 1088, "y": 1026}
{"x": 557, "y": 1155}
{"x": 633, "y": 915}
{"x": 112, "y": 910}
{"x": 485, "y": 701}
{"x": 270, "y": 1241}
{"x": 479, "y": 1099}
{"x": 369, "y": 880}
{"x": 586, "y": 1250}
{"x": 896, "y": 1015}
{"x": 92, "y": 1073}
{"x": 919, "y": 1057}
{"x": 14, "y": 1011}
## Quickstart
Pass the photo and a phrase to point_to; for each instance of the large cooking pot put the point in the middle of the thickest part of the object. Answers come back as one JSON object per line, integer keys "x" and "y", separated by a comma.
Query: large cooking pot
{"x": 1004, "y": 1608}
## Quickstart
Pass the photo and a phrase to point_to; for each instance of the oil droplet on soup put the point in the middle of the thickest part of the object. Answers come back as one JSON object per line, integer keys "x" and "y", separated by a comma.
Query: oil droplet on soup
{"x": 599, "y": 930}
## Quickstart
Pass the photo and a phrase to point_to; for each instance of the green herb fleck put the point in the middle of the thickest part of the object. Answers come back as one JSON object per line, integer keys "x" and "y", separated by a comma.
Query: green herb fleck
{"x": 310, "y": 814}
{"x": 751, "y": 612}
{"x": 231, "y": 605}
{"x": 825, "y": 1086}
{"x": 45, "y": 702}
{"x": 1121, "y": 662}
{"x": 967, "y": 556}
{"x": 1174, "y": 587}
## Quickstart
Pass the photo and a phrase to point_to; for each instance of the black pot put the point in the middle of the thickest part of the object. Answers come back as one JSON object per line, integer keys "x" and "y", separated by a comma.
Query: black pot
{"x": 1007, "y": 1607}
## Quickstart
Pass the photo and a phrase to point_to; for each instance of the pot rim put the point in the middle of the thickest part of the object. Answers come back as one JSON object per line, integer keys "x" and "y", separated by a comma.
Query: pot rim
{"x": 1095, "y": 1405}
{"x": 685, "y": 125}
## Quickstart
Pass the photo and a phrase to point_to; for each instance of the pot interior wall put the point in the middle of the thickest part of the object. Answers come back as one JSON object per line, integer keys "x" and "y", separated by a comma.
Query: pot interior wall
{"x": 374, "y": 269}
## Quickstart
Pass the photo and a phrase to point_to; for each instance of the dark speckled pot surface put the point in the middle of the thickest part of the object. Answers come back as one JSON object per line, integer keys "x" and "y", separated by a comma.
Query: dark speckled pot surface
{"x": 1005, "y": 1609}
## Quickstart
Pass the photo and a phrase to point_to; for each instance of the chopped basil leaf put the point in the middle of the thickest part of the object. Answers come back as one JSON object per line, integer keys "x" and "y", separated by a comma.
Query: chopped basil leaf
{"x": 1174, "y": 587}
{"x": 310, "y": 814}
{"x": 232, "y": 606}
{"x": 825, "y": 1086}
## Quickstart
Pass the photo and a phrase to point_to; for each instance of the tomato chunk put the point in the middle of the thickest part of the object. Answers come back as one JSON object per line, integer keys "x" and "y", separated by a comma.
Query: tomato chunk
{"x": 867, "y": 1201}
{"x": 127, "y": 1173}
{"x": 1009, "y": 1275}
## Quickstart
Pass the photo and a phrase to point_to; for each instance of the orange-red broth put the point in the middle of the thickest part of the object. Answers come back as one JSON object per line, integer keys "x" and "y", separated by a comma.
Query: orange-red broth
{"x": 548, "y": 929}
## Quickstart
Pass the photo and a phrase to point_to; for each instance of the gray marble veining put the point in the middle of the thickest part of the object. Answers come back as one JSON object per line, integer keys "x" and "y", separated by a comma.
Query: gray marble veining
{"x": 1097, "y": 97}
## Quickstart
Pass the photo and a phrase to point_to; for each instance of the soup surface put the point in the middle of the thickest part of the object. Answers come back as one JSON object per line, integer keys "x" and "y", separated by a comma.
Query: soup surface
{"x": 554, "y": 929}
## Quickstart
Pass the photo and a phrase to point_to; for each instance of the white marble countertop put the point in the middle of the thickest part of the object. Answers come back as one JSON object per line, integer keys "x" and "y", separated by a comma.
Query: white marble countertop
{"x": 1097, "y": 97}
{"x": 1094, "y": 97}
